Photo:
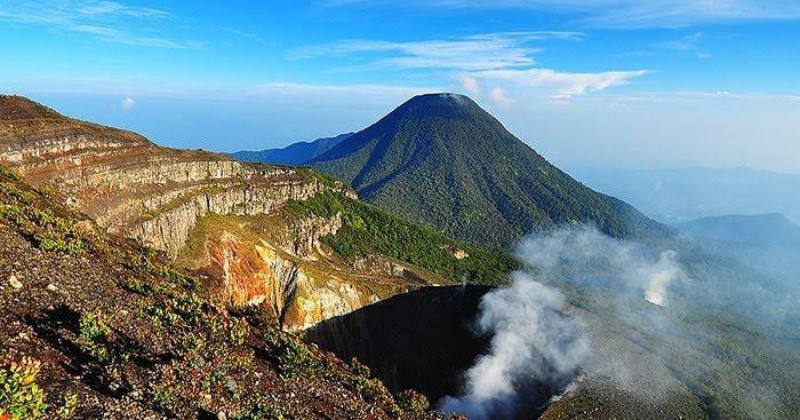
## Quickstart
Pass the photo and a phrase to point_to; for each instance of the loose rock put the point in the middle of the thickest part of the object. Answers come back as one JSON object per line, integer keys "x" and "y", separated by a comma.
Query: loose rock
{"x": 14, "y": 282}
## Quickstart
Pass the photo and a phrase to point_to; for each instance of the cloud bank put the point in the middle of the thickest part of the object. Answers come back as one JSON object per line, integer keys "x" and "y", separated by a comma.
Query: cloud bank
{"x": 476, "y": 52}
{"x": 495, "y": 63}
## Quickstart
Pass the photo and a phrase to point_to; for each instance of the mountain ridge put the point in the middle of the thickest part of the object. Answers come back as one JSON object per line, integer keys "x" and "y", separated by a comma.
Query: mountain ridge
{"x": 94, "y": 325}
{"x": 293, "y": 154}
{"x": 290, "y": 248}
{"x": 759, "y": 228}
{"x": 683, "y": 194}
{"x": 768, "y": 242}
{"x": 169, "y": 199}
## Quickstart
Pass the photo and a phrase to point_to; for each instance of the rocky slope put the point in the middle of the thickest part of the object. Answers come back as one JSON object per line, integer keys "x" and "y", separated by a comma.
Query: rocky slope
{"x": 157, "y": 195}
{"x": 95, "y": 326}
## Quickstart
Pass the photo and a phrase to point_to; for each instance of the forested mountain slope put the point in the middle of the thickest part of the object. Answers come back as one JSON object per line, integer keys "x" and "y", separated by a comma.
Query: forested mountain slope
{"x": 443, "y": 161}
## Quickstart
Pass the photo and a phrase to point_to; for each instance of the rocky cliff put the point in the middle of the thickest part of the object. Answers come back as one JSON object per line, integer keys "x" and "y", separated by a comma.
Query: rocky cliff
{"x": 134, "y": 188}
{"x": 130, "y": 185}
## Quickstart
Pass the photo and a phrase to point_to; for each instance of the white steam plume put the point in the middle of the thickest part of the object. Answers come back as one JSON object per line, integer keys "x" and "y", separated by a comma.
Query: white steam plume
{"x": 660, "y": 276}
{"x": 533, "y": 341}
{"x": 583, "y": 254}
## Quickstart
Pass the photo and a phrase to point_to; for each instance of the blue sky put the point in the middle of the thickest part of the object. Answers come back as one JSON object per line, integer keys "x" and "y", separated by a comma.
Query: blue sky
{"x": 587, "y": 83}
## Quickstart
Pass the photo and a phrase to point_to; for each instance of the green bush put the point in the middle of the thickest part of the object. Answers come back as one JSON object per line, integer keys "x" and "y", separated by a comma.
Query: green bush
{"x": 20, "y": 396}
{"x": 292, "y": 355}
{"x": 138, "y": 286}
{"x": 95, "y": 336}
{"x": 264, "y": 410}
{"x": 50, "y": 232}
{"x": 24, "y": 197}
{"x": 413, "y": 402}
{"x": 238, "y": 331}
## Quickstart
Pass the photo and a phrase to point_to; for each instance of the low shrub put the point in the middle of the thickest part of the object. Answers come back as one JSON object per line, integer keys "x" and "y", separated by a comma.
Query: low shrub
{"x": 22, "y": 398}
{"x": 96, "y": 339}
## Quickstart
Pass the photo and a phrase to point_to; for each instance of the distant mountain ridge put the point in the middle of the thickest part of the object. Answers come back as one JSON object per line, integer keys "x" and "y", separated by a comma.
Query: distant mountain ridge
{"x": 684, "y": 194}
{"x": 768, "y": 242}
{"x": 442, "y": 160}
{"x": 772, "y": 228}
{"x": 293, "y": 154}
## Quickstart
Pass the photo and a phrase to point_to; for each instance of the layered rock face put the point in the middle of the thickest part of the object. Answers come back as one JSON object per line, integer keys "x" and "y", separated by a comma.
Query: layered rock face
{"x": 137, "y": 189}
{"x": 130, "y": 185}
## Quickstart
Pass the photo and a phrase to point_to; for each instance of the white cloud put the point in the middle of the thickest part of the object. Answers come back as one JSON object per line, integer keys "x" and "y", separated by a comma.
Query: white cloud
{"x": 244, "y": 34}
{"x": 687, "y": 43}
{"x": 469, "y": 84}
{"x": 127, "y": 104}
{"x": 677, "y": 13}
{"x": 561, "y": 85}
{"x": 477, "y": 52}
{"x": 500, "y": 97}
{"x": 110, "y": 8}
{"x": 312, "y": 90}
{"x": 625, "y": 13}
{"x": 504, "y": 60}
{"x": 105, "y": 20}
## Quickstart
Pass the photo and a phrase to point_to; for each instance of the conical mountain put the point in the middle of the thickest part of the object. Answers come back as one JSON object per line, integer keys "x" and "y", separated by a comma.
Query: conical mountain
{"x": 442, "y": 160}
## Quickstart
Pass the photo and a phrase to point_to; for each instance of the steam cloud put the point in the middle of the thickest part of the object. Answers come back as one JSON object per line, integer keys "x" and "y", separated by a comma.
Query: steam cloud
{"x": 583, "y": 254}
{"x": 665, "y": 272}
{"x": 533, "y": 341}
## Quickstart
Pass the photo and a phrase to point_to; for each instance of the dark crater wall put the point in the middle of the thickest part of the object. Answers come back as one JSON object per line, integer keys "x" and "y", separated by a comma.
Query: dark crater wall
{"x": 421, "y": 340}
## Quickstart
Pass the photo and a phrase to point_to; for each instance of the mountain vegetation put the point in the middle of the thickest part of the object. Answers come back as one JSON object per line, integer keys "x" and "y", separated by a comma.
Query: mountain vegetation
{"x": 443, "y": 161}
{"x": 141, "y": 281}
{"x": 223, "y": 218}
{"x": 370, "y": 230}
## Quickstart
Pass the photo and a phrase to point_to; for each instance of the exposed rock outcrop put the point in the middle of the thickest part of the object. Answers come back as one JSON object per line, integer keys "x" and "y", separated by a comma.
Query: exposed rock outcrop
{"x": 169, "y": 228}
{"x": 97, "y": 335}
{"x": 278, "y": 262}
